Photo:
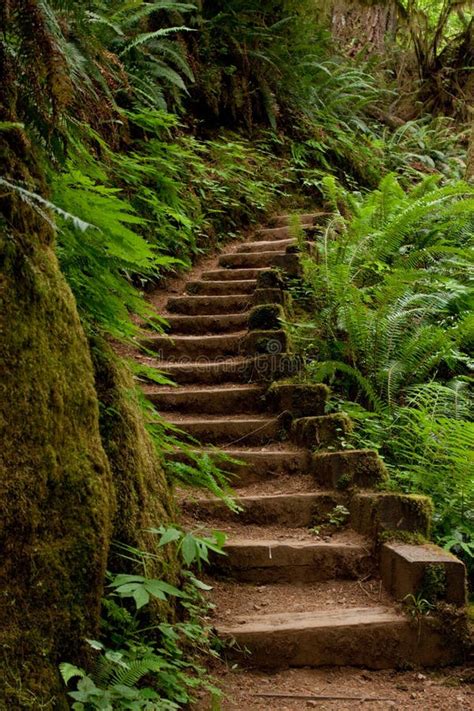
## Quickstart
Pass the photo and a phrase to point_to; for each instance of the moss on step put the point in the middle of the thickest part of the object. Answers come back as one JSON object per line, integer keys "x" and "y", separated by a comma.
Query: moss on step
{"x": 322, "y": 431}
{"x": 270, "y": 279}
{"x": 56, "y": 497}
{"x": 266, "y": 317}
{"x": 272, "y": 343}
{"x": 300, "y": 400}
{"x": 356, "y": 467}
{"x": 375, "y": 513}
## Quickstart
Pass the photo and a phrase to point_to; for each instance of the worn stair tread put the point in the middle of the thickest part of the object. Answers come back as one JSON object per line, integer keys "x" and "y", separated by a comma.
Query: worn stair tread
{"x": 209, "y": 304}
{"x": 353, "y": 617}
{"x": 216, "y": 345}
{"x": 296, "y": 510}
{"x": 232, "y": 274}
{"x": 207, "y": 323}
{"x": 270, "y": 561}
{"x": 233, "y": 369}
{"x": 308, "y": 218}
{"x": 243, "y": 602}
{"x": 266, "y": 246}
{"x": 209, "y": 400}
{"x": 207, "y": 287}
{"x": 222, "y": 388}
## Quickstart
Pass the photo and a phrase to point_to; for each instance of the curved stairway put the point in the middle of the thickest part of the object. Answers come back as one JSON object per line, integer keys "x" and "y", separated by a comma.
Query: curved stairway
{"x": 287, "y": 594}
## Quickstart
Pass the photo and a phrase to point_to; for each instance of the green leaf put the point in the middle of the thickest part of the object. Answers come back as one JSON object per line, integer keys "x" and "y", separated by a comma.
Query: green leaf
{"x": 141, "y": 597}
{"x": 189, "y": 549}
{"x": 69, "y": 671}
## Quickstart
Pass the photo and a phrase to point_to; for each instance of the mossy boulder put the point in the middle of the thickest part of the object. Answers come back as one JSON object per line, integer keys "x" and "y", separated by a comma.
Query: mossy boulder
{"x": 267, "y": 317}
{"x": 322, "y": 431}
{"x": 390, "y": 514}
{"x": 56, "y": 495}
{"x": 270, "y": 279}
{"x": 272, "y": 343}
{"x": 356, "y": 467}
{"x": 299, "y": 399}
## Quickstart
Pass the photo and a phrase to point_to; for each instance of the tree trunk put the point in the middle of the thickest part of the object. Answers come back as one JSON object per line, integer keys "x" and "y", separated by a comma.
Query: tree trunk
{"x": 56, "y": 500}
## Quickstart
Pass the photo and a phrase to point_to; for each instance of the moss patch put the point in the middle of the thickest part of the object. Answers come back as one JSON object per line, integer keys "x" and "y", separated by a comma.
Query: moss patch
{"x": 56, "y": 499}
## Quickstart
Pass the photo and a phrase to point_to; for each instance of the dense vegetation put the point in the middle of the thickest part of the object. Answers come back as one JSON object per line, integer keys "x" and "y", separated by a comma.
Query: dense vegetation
{"x": 136, "y": 135}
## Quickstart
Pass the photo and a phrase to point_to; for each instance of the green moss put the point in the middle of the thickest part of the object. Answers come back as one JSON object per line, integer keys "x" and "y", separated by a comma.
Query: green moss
{"x": 267, "y": 317}
{"x": 434, "y": 583}
{"x": 144, "y": 499}
{"x": 395, "y": 536}
{"x": 56, "y": 498}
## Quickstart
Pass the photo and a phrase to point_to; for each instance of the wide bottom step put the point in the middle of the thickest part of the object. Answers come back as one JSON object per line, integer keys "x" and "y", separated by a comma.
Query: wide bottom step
{"x": 370, "y": 637}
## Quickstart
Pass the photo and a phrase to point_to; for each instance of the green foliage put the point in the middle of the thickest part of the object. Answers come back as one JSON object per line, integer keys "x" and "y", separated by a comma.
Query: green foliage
{"x": 392, "y": 299}
{"x": 143, "y": 666}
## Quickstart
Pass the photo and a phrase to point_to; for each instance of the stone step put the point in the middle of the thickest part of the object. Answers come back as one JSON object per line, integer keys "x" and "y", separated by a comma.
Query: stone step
{"x": 256, "y": 465}
{"x": 245, "y": 260}
{"x": 273, "y": 561}
{"x": 192, "y": 305}
{"x": 208, "y": 323}
{"x": 373, "y": 637}
{"x": 210, "y": 401}
{"x": 224, "y": 344}
{"x": 295, "y": 510}
{"x": 279, "y": 245}
{"x": 311, "y": 218}
{"x": 232, "y": 274}
{"x": 223, "y": 287}
{"x": 236, "y": 370}
{"x": 243, "y": 429}
{"x": 285, "y": 232}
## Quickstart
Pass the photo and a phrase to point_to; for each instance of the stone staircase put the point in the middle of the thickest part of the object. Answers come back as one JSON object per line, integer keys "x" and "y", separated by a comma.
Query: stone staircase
{"x": 293, "y": 591}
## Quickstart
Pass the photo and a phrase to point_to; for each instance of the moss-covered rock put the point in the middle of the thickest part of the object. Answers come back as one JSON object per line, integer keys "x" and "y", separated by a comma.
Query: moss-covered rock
{"x": 375, "y": 514}
{"x": 299, "y": 399}
{"x": 355, "y": 467}
{"x": 270, "y": 279}
{"x": 273, "y": 343}
{"x": 322, "y": 431}
{"x": 267, "y": 317}
{"x": 270, "y": 296}
{"x": 56, "y": 496}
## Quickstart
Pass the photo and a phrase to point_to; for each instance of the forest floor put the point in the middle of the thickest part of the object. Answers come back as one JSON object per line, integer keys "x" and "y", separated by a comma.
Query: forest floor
{"x": 426, "y": 690}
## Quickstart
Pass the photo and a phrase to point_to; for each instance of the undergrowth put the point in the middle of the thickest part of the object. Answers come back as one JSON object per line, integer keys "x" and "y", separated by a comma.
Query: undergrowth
{"x": 389, "y": 291}
{"x": 140, "y": 662}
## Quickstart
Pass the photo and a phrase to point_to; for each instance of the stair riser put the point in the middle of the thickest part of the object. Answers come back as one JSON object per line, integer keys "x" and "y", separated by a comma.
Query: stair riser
{"x": 267, "y": 465}
{"x": 221, "y": 288}
{"x": 249, "y": 260}
{"x": 211, "y": 403}
{"x": 279, "y": 245}
{"x": 210, "y": 346}
{"x": 226, "y": 432}
{"x": 293, "y": 564}
{"x": 293, "y": 511}
{"x": 253, "y": 370}
{"x": 196, "y": 325}
{"x": 209, "y": 304}
{"x": 306, "y": 219}
{"x": 232, "y": 274}
{"x": 388, "y": 645}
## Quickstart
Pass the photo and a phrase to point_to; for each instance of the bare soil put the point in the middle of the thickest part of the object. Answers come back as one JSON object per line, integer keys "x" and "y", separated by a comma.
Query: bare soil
{"x": 449, "y": 689}
{"x": 234, "y": 602}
